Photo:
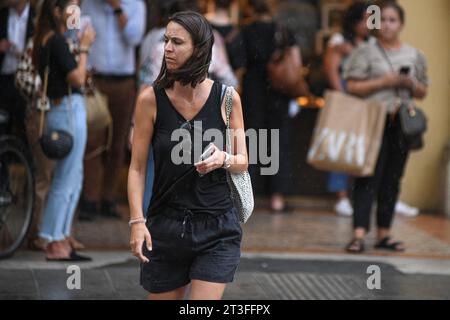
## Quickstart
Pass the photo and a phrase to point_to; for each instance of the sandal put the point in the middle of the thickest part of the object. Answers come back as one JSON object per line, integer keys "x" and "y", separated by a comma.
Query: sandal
{"x": 36, "y": 244}
{"x": 73, "y": 257}
{"x": 355, "y": 246}
{"x": 387, "y": 244}
{"x": 75, "y": 244}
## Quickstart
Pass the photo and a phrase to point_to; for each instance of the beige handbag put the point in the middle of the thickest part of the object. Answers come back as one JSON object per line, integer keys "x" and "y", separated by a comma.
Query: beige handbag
{"x": 98, "y": 117}
{"x": 348, "y": 135}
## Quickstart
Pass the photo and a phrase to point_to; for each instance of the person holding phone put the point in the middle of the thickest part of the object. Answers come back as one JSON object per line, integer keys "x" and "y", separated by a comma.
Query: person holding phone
{"x": 385, "y": 71}
{"x": 65, "y": 79}
{"x": 404, "y": 70}
{"x": 194, "y": 235}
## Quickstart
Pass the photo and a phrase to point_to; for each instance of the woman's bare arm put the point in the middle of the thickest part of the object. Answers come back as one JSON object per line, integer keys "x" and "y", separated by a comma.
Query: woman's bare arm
{"x": 239, "y": 159}
{"x": 77, "y": 77}
{"x": 143, "y": 132}
{"x": 297, "y": 64}
{"x": 332, "y": 62}
{"x": 419, "y": 90}
{"x": 363, "y": 88}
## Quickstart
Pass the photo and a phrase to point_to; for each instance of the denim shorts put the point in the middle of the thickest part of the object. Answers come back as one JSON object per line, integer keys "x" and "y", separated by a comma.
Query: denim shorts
{"x": 190, "y": 246}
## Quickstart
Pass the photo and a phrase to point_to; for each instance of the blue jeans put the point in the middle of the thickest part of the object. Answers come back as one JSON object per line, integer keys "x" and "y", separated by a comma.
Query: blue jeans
{"x": 337, "y": 182}
{"x": 149, "y": 181}
{"x": 68, "y": 175}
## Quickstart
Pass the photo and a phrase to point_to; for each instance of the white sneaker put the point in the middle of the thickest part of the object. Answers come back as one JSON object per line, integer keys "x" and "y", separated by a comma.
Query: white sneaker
{"x": 344, "y": 208}
{"x": 406, "y": 210}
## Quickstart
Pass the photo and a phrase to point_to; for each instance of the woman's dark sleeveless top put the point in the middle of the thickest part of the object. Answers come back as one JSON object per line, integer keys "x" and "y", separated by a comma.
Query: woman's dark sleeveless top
{"x": 209, "y": 194}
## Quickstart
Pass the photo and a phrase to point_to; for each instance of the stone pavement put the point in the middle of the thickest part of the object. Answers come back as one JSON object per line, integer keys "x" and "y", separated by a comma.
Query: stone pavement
{"x": 306, "y": 230}
{"x": 295, "y": 256}
{"x": 115, "y": 275}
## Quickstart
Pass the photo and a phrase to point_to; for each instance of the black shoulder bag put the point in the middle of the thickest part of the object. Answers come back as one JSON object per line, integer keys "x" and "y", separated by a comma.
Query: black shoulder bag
{"x": 55, "y": 144}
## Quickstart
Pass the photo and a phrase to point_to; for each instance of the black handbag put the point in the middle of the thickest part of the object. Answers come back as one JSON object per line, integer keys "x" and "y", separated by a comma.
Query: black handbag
{"x": 412, "y": 119}
{"x": 56, "y": 144}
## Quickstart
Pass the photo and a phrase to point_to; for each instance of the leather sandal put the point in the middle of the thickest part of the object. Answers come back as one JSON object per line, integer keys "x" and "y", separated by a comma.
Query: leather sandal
{"x": 355, "y": 246}
{"x": 72, "y": 257}
{"x": 75, "y": 244}
{"x": 387, "y": 244}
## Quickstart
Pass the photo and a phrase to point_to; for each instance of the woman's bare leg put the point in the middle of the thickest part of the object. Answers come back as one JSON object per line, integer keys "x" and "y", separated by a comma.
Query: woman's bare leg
{"x": 203, "y": 290}
{"x": 176, "y": 294}
{"x": 383, "y": 233}
{"x": 277, "y": 202}
{"x": 359, "y": 233}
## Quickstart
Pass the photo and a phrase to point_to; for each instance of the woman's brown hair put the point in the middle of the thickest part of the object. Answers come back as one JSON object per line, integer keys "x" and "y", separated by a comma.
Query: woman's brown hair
{"x": 195, "y": 70}
{"x": 393, "y": 5}
{"x": 46, "y": 22}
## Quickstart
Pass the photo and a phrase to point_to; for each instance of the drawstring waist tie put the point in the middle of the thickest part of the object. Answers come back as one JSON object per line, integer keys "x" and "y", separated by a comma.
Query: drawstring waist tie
{"x": 188, "y": 215}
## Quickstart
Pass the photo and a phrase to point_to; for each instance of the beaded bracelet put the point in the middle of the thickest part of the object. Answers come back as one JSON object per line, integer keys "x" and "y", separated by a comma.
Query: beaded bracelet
{"x": 136, "y": 221}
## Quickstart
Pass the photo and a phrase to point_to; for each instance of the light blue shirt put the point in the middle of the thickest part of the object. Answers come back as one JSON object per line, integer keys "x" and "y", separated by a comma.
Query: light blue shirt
{"x": 113, "y": 51}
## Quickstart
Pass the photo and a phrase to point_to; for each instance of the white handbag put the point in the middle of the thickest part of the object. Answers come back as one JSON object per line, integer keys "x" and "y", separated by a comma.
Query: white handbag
{"x": 240, "y": 183}
{"x": 27, "y": 79}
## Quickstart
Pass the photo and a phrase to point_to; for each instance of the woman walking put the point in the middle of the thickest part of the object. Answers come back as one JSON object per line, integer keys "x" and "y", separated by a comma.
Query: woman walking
{"x": 193, "y": 236}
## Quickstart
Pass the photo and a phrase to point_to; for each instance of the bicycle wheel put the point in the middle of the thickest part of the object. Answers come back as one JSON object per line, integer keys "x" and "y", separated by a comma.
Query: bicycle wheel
{"x": 16, "y": 195}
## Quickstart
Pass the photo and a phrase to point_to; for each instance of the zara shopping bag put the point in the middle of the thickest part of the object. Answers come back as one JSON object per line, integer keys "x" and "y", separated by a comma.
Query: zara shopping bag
{"x": 348, "y": 135}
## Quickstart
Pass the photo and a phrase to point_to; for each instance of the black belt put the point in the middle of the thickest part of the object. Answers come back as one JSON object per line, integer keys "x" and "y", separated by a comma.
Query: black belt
{"x": 113, "y": 77}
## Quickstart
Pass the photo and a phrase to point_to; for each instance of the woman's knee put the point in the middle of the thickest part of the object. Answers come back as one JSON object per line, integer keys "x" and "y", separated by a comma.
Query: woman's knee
{"x": 177, "y": 294}
{"x": 204, "y": 290}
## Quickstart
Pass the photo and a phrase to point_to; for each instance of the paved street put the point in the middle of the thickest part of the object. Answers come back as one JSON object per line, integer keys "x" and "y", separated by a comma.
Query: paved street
{"x": 297, "y": 256}
{"x": 115, "y": 275}
{"x": 343, "y": 105}
{"x": 311, "y": 228}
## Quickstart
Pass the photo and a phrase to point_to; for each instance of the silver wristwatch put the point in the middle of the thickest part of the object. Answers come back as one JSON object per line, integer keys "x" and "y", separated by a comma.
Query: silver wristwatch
{"x": 227, "y": 161}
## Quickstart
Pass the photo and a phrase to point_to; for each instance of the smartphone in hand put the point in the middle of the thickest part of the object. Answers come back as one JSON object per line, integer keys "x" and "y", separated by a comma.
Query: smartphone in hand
{"x": 206, "y": 154}
{"x": 405, "y": 70}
